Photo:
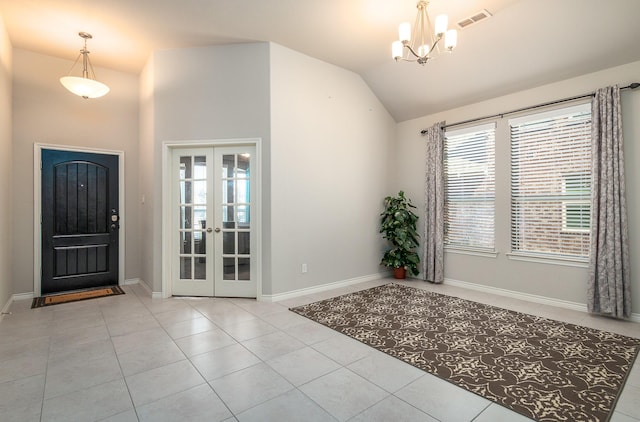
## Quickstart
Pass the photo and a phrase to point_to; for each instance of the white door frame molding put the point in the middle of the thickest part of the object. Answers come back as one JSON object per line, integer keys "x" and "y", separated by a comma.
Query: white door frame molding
{"x": 167, "y": 153}
{"x": 37, "y": 208}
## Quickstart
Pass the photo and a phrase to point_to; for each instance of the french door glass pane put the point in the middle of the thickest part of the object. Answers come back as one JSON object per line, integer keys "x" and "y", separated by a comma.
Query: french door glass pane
{"x": 200, "y": 242}
{"x": 244, "y": 161}
{"x": 228, "y": 164}
{"x": 200, "y": 167}
{"x": 185, "y": 217}
{"x": 200, "y": 192}
{"x": 228, "y": 218}
{"x": 243, "y": 216}
{"x": 229, "y": 269}
{"x": 185, "y": 192}
{"x": 185, "y": 167}
{"x": 200, "y": 268}
{"x": 185, "y": 243}
{"x": 228, "y": 243}
{"x": 244, "y": 270}
{"x": 185, "y": 267}
{"x": 243, "y": 243}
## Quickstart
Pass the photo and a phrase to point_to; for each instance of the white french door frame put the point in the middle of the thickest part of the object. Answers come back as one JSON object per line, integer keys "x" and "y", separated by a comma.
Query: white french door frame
{"x": 37, "y": 208}
{"x": 167, "y": 250}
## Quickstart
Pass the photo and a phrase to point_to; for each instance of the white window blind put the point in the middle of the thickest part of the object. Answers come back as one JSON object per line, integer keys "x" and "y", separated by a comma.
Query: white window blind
{"x": 469, "y": 162}
{"x": 551, "y": 182}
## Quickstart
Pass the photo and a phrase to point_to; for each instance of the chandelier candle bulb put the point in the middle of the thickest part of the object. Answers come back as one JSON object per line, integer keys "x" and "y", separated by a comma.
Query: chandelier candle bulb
{"x": 404, "y": 30}
{"x": 396, "y": 50}
{"x": 451, "y": 39}
{"x": 442, "y": 22}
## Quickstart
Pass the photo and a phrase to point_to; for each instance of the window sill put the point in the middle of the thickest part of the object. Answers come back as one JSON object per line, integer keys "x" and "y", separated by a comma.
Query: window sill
{"x": 569, "y": 262}
{"x": 471, "y": 251}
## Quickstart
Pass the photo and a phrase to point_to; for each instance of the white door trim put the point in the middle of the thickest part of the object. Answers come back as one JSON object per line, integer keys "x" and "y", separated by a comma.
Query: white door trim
{"x": 37, "y": 208}
{"x": 167, "y": 147}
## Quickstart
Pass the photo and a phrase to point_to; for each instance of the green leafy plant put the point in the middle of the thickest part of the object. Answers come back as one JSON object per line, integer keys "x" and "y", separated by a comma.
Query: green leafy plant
{"x": 398, "y": 225}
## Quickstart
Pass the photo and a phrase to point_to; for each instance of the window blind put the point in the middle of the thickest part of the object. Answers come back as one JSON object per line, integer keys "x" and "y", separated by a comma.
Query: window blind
{"x": 469, "y": 164}
{"x": 550, "y": 182}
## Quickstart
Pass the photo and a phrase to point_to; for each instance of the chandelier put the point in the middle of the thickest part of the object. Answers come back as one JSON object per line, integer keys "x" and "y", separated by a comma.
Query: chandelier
{"x": 425, "y": 42}
{"x": 86, "y": 85}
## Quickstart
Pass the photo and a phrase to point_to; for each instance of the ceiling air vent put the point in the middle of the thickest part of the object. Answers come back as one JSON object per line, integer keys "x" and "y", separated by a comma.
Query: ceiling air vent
{"x": 477, "y": 17}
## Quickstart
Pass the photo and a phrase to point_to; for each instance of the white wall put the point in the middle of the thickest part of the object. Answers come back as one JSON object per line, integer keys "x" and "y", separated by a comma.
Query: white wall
{"x": 45, "y": 112}
{"x": 330, "y": 170}
{"x": 206, "y": 93}
{"x": 6, "y": 169}
{"x": 553, "y": 281}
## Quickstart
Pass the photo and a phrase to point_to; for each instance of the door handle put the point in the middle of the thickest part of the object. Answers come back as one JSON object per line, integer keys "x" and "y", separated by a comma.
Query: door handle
{"x": 209, "y": 230}
{"x": 217, "y": 229}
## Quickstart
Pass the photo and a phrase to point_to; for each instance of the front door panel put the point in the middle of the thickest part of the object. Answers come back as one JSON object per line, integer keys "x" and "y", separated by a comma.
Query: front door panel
{"x": 80, "y": 220}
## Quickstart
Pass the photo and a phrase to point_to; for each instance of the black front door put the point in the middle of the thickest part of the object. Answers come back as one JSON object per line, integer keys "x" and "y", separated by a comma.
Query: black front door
{"x": 80, "y": 215}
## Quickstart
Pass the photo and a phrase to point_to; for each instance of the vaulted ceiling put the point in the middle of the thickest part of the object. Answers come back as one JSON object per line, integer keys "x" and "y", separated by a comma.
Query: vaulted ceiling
{"x": 526, "y": 43}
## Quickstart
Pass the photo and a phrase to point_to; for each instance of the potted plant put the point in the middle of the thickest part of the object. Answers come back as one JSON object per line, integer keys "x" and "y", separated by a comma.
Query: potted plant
{"x": 398, "y": 225}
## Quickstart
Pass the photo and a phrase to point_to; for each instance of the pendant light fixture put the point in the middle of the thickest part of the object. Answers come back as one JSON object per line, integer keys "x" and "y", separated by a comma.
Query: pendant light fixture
{"x": 425, "y": 43}
{"x": 86, "y": 85}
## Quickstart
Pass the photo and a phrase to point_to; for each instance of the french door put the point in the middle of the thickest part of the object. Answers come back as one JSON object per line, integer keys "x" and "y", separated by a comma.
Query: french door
{"x": 214, "y": 242}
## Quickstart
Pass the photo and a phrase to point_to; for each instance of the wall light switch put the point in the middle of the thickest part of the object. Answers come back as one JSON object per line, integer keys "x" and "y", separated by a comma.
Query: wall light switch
{"x": 304, "y": 268}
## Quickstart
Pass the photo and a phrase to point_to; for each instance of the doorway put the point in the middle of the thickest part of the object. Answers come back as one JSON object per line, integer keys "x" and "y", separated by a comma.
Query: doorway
{"x": 213, "y": 229}
{"x": 80, "y": 220}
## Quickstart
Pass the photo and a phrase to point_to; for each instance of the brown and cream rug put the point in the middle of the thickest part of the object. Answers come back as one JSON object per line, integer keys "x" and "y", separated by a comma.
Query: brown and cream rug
{"x": 543, "y": 369}
{"x": 56, "y": 299}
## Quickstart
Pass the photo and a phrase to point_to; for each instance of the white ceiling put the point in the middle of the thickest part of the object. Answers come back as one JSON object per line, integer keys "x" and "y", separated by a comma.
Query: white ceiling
{"x": 525, "y": 44}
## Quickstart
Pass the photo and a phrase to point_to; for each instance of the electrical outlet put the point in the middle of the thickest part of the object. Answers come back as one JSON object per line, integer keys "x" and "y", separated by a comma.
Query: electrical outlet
{"x": 304, "y": 268}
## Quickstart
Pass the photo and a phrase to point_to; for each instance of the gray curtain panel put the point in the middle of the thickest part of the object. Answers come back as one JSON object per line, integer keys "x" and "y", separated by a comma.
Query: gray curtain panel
{"x": 433, "y": 245}
{"x": 609, "y": 280}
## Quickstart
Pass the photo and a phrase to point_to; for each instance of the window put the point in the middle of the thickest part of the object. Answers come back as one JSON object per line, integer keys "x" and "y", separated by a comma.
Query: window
{"x": 469, "y": 162}
{"x": 550, "y": 183}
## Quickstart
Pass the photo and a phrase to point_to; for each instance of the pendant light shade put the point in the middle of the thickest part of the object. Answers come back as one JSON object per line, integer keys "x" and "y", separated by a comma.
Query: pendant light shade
{"x": 84, "y": 86}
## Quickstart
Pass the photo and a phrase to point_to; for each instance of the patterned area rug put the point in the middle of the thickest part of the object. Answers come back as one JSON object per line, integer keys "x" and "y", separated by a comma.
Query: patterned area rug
{"x": 543, "y": 369}
{"x": 76, "y": 296}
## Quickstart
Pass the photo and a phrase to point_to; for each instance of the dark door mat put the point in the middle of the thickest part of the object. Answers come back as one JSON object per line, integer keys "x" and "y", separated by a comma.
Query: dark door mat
{"x": 39, "y": 302}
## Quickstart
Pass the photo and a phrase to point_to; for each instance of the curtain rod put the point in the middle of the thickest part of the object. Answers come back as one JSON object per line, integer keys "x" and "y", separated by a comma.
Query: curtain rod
{"x": 633, "y": 85}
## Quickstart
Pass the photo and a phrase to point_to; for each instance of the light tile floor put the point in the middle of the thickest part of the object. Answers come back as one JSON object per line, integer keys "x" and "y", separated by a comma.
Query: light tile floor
{"x": 133, "y": 358}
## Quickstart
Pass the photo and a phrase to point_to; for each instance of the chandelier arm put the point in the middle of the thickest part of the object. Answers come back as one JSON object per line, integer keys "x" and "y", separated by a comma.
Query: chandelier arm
{"x": 412, "y": 50}
{"x": 407, "y": 60}
{"x": 435, "y": 44}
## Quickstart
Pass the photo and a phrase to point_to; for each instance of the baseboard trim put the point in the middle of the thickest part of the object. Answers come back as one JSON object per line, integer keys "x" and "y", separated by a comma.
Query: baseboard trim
{"x": 154, "y": 295}
{"x": 131, "y": 281}
{"x": 322, "y": 288}
{"x": 13, "y": 298}
{"x": 23, "y": 296}
{"x": 635, "y": 317}
{"x": 5, "y": 308}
